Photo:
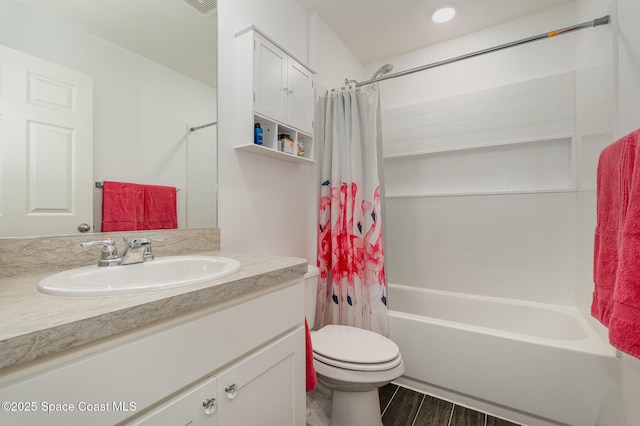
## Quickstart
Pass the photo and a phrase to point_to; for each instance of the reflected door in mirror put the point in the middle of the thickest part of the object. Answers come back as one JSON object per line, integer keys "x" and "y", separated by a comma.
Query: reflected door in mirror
{"x": 46, "y": 146}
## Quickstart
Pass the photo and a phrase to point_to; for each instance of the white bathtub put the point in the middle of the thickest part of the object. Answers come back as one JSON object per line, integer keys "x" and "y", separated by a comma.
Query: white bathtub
{"x": 534, "y": 363}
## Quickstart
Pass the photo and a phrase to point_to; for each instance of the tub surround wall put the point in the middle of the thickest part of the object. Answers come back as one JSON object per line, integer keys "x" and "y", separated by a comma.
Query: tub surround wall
{"x": 480, "y": 206}
{"x": 473, "y": 203}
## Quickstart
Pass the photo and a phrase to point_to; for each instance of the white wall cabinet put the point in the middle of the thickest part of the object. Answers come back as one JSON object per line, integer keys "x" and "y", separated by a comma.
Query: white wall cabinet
{"x": 277, "y": 91}
{"x": 283, "y": 88}
{"x": 163, "y": 374}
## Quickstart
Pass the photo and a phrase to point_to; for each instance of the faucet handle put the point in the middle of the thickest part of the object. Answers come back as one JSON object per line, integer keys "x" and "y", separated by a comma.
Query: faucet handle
{"x": 148, "y": 252}
{"x": 140, "y": 241}
{"x": 109, "y": 251}
{"x": 149, "y": 239}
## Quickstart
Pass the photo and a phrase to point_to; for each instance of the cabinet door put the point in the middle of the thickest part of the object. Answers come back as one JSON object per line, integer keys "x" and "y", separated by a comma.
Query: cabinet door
{"x": 266, "y": 388}
{"x": 195, "y": 407}
{"x": 270, "y": 79}
{"x": 300, "y": 97}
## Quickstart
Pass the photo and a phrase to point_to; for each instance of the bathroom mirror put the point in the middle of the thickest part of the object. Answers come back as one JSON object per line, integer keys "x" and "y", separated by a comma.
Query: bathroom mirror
{"x": 152, "y": 68}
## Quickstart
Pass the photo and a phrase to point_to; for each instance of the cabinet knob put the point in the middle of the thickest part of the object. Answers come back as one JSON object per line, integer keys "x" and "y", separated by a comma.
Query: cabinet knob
{"x": 231, "y": 390}
{"x": 209, "y": 405}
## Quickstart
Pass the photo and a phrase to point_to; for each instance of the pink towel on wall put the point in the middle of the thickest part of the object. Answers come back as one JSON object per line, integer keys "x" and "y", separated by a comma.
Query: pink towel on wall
{"x": 311, "y": 377}
{"x": 616, "y": 273}
{"x": 160, "y": 207}
{"x": 133, "y": 207}
{"x": 122, "y": 206}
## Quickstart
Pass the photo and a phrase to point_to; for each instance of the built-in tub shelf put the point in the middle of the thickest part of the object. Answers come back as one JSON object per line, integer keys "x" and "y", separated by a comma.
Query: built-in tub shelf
{"x": 408, "y": 155}
{"x": 524, "y": 166}
{"x": 470, "y": 194}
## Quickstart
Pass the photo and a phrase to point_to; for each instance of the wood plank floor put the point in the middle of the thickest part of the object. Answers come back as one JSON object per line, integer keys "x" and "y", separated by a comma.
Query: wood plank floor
{"x": 405, "y": 407}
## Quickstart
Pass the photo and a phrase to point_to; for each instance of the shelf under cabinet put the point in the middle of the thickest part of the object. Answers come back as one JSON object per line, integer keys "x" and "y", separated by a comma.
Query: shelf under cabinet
{"x": 262, "y": 150}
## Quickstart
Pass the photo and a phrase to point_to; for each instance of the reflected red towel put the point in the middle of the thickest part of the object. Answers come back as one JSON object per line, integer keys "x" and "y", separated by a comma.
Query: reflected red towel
{"x": 616, "y": 273}
{"x": 122, "y": 206}
{"x": 312, "y": 380}
{"x": 160, "y": 207}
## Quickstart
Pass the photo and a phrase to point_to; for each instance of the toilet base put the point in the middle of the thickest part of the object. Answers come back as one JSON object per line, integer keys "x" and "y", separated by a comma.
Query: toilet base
{"x": 355, "y": 408}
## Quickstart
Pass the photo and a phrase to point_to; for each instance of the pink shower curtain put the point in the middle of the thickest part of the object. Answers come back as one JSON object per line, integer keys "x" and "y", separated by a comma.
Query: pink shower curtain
{"x": 352, "y": 285}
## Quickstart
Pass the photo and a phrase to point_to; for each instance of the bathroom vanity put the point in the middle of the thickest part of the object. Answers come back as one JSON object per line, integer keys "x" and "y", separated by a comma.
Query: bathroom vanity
{"x": 228, "y": 352}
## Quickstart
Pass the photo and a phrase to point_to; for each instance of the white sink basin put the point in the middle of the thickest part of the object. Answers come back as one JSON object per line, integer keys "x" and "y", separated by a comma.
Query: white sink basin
{"x": 159, "y": 274}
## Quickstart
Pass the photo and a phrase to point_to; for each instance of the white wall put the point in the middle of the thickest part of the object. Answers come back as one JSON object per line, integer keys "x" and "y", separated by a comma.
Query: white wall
{"x": 268, "y": 205}
{"x": 628, "y": 13}
{"x": 444, "y": 230}
{"x": 262, "y": 201}
{"x": 332, "y": 60}
{"x": 595, "y": 134}
{"x": 595, "y": 129}
{"x": 141, "y": 108}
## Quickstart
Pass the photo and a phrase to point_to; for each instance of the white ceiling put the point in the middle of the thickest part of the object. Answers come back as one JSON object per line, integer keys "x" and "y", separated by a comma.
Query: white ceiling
{"x": 171, "y": 33}
{"x": 165, "y": 31}
{"x": 379, "y": 29}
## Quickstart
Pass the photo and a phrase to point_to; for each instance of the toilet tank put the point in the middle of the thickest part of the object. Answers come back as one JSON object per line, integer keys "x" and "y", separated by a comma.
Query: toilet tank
{"x": 311, "y": 294}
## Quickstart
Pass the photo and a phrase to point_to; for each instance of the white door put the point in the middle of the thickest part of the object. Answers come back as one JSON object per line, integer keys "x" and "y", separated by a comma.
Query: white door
{"x": 300, "y": 97}
{"x": 46, "y": 146}
{"x": 270, "y": 78}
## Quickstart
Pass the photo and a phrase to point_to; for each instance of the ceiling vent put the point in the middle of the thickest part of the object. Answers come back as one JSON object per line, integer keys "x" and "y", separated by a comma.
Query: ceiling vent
{"x": 203, "y": 7}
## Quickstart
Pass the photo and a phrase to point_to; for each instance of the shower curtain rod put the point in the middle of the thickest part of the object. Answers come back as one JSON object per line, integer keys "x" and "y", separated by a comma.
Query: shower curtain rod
{"x": 193, "y": 129}
{"x": 599, "y": 21}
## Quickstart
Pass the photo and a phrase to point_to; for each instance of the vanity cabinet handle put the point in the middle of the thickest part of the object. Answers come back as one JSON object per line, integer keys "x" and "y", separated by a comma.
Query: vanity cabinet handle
{"x": 231, "y": 390}
{"x": 209, "y": 405}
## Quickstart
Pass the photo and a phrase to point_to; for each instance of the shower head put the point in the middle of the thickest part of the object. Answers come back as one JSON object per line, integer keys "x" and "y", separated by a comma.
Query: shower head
{"x": 385, "y": 69}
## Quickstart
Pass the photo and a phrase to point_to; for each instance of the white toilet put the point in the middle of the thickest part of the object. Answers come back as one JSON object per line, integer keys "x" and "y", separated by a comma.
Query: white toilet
{"x": 352, "y": 363}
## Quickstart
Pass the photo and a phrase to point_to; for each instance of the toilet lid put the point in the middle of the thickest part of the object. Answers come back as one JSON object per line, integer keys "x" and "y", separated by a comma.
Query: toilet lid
{"x": 353, "y": 345}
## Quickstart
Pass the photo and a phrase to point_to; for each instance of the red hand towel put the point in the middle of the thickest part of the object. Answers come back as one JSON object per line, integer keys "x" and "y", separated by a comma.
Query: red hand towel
{"x": 312, "y": 379}
{"x": 160, "y": 207}
{"x": 122, "y": 206}
{"x": 616, "y": 298}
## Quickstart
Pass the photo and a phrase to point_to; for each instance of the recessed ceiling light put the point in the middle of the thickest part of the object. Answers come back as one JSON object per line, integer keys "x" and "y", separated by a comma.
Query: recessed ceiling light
{"x": 443, "y": 13}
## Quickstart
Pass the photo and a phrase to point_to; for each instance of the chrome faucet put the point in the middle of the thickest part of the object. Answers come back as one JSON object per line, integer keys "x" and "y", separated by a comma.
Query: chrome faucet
{"x": 137, "y": 250}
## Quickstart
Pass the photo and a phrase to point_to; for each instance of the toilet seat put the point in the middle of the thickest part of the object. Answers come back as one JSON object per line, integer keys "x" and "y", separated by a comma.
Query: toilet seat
{"x": 354, "y": 349}
{"x": 356, "y": 366}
